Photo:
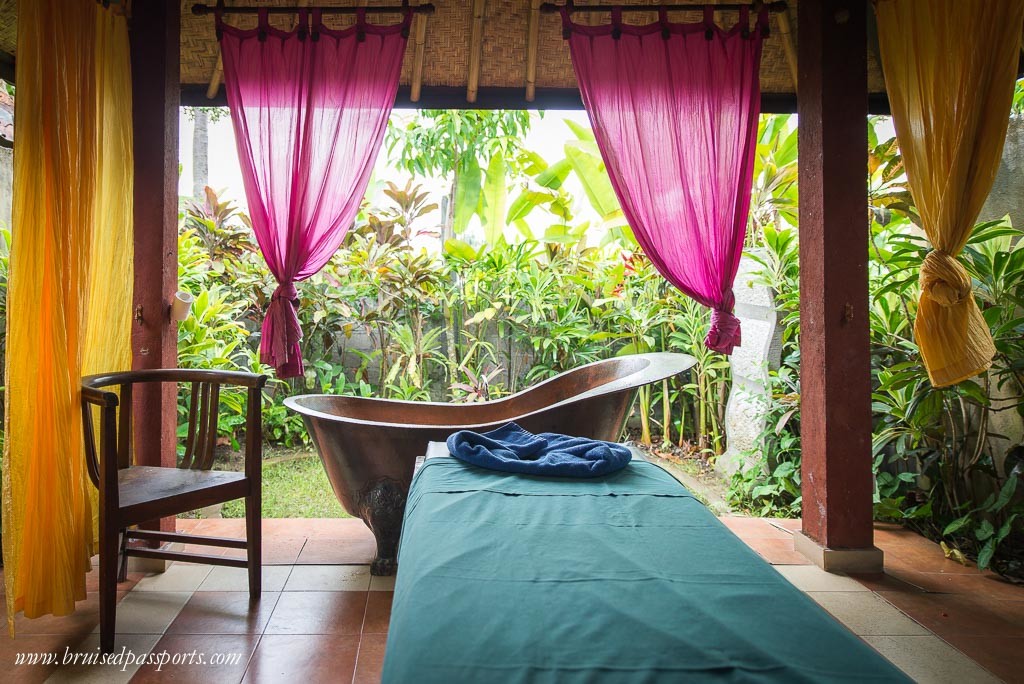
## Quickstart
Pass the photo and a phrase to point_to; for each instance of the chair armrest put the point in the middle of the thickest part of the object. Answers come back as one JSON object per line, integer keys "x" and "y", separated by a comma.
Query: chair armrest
{"x": 176, "y": 375}
{"x": 98, "y": 397}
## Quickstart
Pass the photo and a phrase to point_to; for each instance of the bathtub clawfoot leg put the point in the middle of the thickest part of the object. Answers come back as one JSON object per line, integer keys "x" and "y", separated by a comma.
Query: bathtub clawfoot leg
{"x": 383, "y": 567}
{"x": 382, "y": 505}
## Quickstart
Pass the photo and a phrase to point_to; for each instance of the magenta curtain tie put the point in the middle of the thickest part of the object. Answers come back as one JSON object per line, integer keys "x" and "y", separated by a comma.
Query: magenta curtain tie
{"x": 724, "y": 334}
{"x": 282, "y": 332}
{"x": 674, "y": 109}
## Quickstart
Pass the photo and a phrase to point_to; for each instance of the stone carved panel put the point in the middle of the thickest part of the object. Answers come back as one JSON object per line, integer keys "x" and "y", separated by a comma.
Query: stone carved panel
{"x": 750, "y": 362}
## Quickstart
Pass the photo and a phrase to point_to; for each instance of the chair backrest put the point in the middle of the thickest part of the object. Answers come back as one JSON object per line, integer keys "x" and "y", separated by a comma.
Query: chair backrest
{"x": 115, "y": 412}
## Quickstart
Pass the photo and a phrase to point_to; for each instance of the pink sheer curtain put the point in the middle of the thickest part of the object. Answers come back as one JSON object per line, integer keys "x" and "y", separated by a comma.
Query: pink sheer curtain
{"x": 309, "y": 109}
{"x": 674, "y": 109}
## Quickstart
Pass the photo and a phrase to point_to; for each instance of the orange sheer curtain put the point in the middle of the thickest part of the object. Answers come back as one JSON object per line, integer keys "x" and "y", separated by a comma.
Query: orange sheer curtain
{"x": 950, "y": 67}
{"x": 70, "y": 287}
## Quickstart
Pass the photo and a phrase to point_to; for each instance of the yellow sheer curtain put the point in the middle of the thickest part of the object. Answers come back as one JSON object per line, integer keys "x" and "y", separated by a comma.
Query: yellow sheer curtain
{"x": 950, "y": 67}
{"x": 70, "y": 287}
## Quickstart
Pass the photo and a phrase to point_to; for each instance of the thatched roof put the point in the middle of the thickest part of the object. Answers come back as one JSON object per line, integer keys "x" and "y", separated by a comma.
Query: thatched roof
{"x": 446, "y": 63}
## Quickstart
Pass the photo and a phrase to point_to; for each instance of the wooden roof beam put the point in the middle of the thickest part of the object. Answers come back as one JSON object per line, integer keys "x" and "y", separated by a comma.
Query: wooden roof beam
{"x": 475, "y": 48}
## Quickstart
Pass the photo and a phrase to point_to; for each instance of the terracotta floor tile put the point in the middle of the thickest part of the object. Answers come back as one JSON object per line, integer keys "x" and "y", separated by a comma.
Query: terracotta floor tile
{"x": 777, "y": 551}
{"x": 1002, "y": 656}
{"x": 315, "y": 528}
{"x": 287, "y": 527}
{"x": 224, "y": 612}
{"x": 191, "y": 671}
{"x": 303, "y": 658}
{"x": 220, "y": 527}
{"x": 120, "y": 671}
{"x": 378, "y": 612}
{"x": 886, "y": 582}
{"x": 976, "y": 584}
{"x": 31, "y": 643}
{"x": 754, "y": 528}
{"x": 276, "y": 550}
{"x": 371, "y": 659}
{"x": 203, "y": 550}
{"x": 318, "y": 612}
{"x": 338, "y": 551}
{"x": 186, "y": 525}
{"x": 930, "y": 559}
{"x": 791, "y": 524}
{"x": 338, "y": 528}
{"x": 961, "y": 614}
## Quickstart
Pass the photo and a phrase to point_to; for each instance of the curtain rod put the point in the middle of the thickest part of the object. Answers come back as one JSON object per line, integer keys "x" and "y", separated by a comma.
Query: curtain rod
{"x": 553, "y": 8}
{"x": 425, "y": 8}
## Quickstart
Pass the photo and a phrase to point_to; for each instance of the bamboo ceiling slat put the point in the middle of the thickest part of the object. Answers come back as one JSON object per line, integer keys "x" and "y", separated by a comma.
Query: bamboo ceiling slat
{"x": 447, "y": 47}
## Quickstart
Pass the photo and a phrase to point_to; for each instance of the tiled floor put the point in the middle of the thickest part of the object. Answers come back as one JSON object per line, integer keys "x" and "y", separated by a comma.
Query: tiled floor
{"x": 324, "y": 618}
{"x": 923, "y": 604}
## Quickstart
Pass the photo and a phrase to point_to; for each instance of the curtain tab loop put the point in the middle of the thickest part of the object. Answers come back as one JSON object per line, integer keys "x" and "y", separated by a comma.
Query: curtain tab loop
{"x": 361, "y": 25}
{"x": 318, "y": 23}
{"x": 745, "y": 22}
{"x": 218, "y": 19}
{"x": 663, "y": 20}
{"x": 303, "y": 28}
{"x": 709, "y": 22}
{"x": 406, "y": 18}
{"x": 264, "y": 25}
{"x": 566, "y": 20}
{"x": 616, "y": 22}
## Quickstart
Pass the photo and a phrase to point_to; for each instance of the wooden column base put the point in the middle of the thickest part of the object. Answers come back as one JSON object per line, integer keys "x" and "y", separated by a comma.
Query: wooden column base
{"x": 860, "y": 561}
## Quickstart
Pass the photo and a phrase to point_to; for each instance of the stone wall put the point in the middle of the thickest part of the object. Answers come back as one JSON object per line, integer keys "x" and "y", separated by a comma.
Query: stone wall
{"x": 1007, "y": 198}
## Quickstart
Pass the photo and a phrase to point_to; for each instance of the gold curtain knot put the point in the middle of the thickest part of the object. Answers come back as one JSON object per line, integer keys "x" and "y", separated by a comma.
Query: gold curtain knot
{"x": 944, "y": 279}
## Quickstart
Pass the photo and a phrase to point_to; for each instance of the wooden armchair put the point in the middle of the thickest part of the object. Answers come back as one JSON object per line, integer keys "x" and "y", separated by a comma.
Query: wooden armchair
{"x": 131, "y": 494}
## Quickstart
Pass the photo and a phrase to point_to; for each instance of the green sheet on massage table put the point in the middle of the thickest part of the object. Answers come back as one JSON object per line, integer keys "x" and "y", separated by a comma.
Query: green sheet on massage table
{"x": 625, "y": 578}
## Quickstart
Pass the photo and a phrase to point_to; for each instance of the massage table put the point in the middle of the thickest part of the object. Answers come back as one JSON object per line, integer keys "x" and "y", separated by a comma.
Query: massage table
{"x": 625, "y": 578}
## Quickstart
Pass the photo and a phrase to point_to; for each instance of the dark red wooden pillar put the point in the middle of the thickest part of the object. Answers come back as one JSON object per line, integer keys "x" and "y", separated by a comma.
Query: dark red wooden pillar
{"x": 835, "y": 371}
{"x": 155, "y": 49}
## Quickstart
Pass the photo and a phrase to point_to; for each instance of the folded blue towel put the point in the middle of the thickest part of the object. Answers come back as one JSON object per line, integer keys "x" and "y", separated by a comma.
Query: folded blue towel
{"x": 514, "y": 450}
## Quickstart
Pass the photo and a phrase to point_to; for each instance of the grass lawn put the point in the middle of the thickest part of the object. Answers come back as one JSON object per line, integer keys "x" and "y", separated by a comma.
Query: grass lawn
{"x": 295, "y": 488}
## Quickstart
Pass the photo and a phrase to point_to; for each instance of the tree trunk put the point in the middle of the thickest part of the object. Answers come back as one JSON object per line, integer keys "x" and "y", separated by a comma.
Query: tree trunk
{"x": 200, "y": 154}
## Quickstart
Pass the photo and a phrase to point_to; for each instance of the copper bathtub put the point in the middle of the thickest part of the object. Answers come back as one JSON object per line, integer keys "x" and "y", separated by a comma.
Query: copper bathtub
{"x": 369, "y": 446}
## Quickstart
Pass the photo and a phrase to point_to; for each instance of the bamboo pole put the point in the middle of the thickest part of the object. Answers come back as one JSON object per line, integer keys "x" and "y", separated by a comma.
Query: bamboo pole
{"x": 785, "y": 30}
{"x": 417, "y": 58}
{"x": 216, "y": 78}
{"x": 532, "y": 39}
{"x": 475, "y": 47}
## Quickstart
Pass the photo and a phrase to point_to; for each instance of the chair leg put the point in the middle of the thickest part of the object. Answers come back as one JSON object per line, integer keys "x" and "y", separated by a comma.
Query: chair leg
{"x": 109, "y": 546}
{"x": 254, "y": 549}
{"x": 122, "y": 566}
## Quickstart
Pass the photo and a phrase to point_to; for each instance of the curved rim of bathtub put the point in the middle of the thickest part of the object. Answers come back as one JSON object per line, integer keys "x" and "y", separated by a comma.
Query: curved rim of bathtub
{"x": 660, "y": 366}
